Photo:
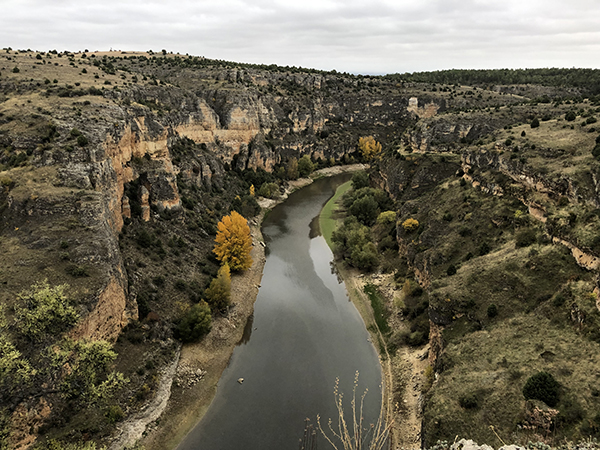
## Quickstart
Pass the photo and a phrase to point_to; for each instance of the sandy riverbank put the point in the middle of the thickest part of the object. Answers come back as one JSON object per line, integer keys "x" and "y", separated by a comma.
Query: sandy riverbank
{"x": 201, "y": 364}
{"x": 404, "y": 371}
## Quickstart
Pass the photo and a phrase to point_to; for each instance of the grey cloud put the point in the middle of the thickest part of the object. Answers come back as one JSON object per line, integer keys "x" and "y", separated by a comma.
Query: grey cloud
{"x": 355, "y": 35}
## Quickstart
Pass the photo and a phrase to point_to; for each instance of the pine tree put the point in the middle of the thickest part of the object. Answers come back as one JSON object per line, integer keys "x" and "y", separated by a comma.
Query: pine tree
{"x": 233, "y": 242}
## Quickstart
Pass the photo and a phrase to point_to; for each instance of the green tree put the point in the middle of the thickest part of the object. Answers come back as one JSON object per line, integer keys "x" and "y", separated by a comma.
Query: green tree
{"x": 305, "y": 166}
{"x": 87, "y": 367}
{"x": 365, "y": 209}
{"x": 360, "y": 180}
{"x": 292, "y": 169}
{"x": 15, "y": 371}
{"x": 44, "y": 310}
{"x": 234, "y": 242}
{"x": 196, "y": 323}
{"x": 570, "y": 116}
{"x": 535, "y": 123}
{"x": 218, "y": 294}
{"x": 269, "y": 190}
{"x": 542, "y": 386}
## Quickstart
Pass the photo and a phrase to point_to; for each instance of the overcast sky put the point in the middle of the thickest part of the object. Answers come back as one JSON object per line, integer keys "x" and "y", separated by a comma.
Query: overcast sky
{"x": 377, "y": 36}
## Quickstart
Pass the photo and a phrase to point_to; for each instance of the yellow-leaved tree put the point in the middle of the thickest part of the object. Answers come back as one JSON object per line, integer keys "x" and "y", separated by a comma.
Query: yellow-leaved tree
{"x": 233, "y": 242}
{"x": 369, "y": 147}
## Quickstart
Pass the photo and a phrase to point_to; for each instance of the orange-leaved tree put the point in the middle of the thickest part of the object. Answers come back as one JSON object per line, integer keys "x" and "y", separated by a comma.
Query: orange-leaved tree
{"x": 233, "y": 242}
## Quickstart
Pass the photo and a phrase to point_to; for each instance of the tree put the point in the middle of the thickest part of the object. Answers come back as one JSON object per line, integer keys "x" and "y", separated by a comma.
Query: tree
{"x": 570, "y": 116}
{"x": 86, "y": 365}
{"x": 292, "y": 169}
{"x": 360, "y": 180}
{"x": 44, "y": 310}
{"x": 535, "y": 123}
{"x": 305, "y": 166}
{"x": 233, "y": 242}
{"x": 365, "y": 209}
{"x": 369, "y": 147}
{"x": 542, "y": 386}
{"x": 219, "y": 292}
{"x": 196, "y": 323}
{"x": 269, "y": 190}
{"x": 15, "y": 371}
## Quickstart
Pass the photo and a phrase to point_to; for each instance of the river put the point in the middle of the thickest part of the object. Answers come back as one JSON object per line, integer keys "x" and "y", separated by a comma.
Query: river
{"x": 304, "y": 333}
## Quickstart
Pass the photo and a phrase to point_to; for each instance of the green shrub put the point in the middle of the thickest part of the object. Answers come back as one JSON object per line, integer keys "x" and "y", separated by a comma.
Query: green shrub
{"x": 114, "y": 414}
{"x": 15, "y": 371}
{"x": 570, "y": 116}
{"x": 82, "y": 141}
{"x": 44, "y": 309}
{"x": 269, "y": 190}
{"x": 77, "y": 270}
{"x": 484, "y": 249}
{"x": 542, "y": 386}
{"x": 16, "y": 70}
{"x": 386, "y": 218}
{"x": 53, "y": 444}
{"x": 417, "y": 338}
{"x": 492, "y": 311}
{"x": 451, "y": 270}
{"x": 526, "y": 237}
{"x": 196, "y": 323}
{"x": 90, "y": 378}
{"x": 535, "y": 123}
{"x": 596, "y": 152}
{"x": 468, "y": 401}
{"x": 305, "y": 166}
{"x": 180, "y": 285}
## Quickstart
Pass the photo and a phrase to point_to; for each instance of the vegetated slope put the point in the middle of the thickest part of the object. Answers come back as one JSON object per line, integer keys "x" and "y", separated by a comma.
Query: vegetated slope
{"x": 506, "y": 251}
{"x": 116, "y": 167}
{"x": 113, "y": 181}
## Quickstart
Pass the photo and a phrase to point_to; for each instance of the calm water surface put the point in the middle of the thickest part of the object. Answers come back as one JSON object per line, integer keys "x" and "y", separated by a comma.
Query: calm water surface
{"x": 305, "y": 333}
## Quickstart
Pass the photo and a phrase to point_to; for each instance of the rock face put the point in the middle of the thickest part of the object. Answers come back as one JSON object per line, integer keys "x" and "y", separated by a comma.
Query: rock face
{"x": 240, "y": 119}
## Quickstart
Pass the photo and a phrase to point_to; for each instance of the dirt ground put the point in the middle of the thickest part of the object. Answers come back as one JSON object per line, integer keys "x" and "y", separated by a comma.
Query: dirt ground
{"x": 403, "y": 372}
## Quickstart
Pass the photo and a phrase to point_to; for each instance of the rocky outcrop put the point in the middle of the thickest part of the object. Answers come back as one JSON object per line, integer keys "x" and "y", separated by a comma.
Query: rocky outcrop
{"x": 519, "y": 172}
{"x": 109, "y": 316}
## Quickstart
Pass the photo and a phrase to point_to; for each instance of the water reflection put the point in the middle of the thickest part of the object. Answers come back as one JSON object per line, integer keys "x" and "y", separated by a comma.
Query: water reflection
{"x": 247, "y": 330}
{"x": 303, "y": 335}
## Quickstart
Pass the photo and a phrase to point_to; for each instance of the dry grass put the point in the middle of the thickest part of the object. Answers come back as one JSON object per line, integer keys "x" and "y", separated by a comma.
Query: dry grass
{"x": 494, "y": 364}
